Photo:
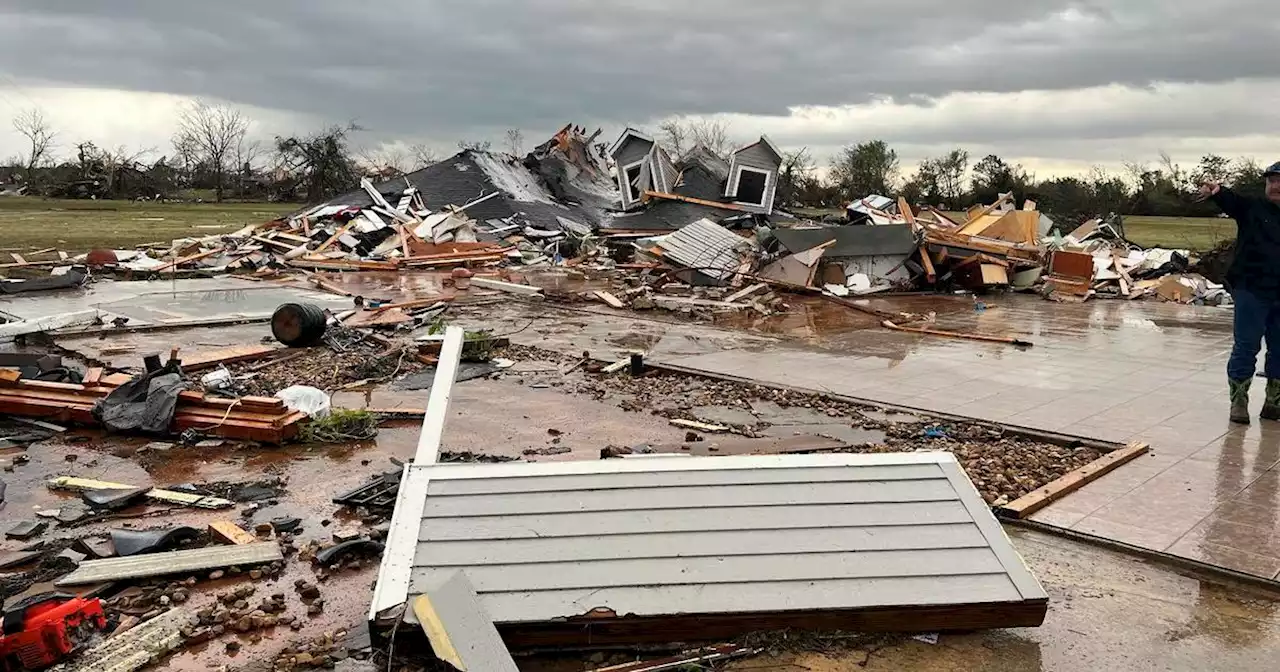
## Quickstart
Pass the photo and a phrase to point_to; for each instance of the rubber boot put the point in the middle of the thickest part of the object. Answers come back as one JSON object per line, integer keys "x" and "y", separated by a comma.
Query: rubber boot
{"x": 1271, "y": 407}
{"x": 1239, "y": 390}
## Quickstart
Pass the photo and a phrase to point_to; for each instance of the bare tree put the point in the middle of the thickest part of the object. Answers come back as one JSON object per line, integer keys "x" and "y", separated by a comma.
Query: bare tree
{"x": 211, "y": 132}
{"x": 676, "y": 136}
{"x": 423, "y": 156}
{"x": 683, "y": 135}
{"x": 385, "y": 162}
{"x": 33, "y": 126}
{"x": 515, "y": 141}
{"x": 474, "y": 145}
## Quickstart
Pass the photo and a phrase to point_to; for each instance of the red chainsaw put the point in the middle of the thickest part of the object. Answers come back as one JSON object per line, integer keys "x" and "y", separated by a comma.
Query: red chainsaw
{"x": 43, "y": 629}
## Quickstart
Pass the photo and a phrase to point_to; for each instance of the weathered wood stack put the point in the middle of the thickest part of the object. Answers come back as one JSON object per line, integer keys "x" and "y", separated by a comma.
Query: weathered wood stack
{"x": 264, "y": 419}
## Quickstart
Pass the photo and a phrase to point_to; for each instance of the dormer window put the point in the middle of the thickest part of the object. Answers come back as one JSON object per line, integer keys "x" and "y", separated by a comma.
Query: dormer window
{"x": 753, "y": 186}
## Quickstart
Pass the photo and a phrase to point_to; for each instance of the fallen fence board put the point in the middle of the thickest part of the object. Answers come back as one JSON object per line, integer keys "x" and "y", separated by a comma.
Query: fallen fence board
{"x": 490, "y": 283}
{"x": 137, "y": 647}
{"x": 610, "y": 299}
{"x": 171, "y": 496}
{"x": 1070, "y": 482}
{"x": 173, "y": 562}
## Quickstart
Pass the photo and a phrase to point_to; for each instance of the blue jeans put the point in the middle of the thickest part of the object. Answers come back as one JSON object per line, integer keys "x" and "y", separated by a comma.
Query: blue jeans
{"x": 1256, "y": 319}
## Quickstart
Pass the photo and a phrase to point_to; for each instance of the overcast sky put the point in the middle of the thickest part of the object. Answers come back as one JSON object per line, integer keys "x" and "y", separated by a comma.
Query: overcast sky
{"x": 1055, "y": 84}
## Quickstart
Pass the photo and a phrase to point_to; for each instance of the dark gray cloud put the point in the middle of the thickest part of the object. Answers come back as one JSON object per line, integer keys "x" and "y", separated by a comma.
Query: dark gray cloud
{"x": 450, "y": 68}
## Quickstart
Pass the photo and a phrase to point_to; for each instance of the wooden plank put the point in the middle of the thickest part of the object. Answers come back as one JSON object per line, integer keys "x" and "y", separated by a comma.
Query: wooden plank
{"x": 9, "y": 376}
{"x": 185, "y": 498}
{"x": 231, "y": 533}
{"x": 1070, "y": 482}
{"x": 136, "y": 648}
{"x": 722, "y": 519}
{"x": 172, "y": 562}
{"x": 184, "y": 260}
{"x": 700, "y": 426}
{"x": 609, "y": 298}
{"x": 460, "y": 631}
{"x": 925, "y": 260}
{"x": 332, "y": 239}
{"x": 18, "y": 258}
{"x": 92, "y": 375}
{"x": 744, "y": 293}
{"x": 214, "y": 358}
{"x": 696, "y": 201}
{"x": 594, "y": 631}
{"x": 428, "y": 450}
{"x": 645, "y": 499}
{"x": 510, "y": 287}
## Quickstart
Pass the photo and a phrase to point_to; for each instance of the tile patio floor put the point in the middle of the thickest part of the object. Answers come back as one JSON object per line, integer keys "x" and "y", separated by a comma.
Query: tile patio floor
{"x": 1112, "y": 370}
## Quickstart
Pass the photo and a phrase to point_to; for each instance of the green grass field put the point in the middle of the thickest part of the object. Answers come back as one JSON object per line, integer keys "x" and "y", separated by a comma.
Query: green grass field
{"x": 81, "y": 225}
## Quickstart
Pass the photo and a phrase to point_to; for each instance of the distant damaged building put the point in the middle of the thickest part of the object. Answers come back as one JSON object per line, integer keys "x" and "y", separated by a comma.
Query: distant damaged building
{"x": 658, "y": 193}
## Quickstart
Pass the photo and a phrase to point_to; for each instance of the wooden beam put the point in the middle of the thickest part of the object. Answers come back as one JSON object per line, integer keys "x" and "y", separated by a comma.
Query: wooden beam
{"x": 609, "y": 298}
{"x": 904, "y": 209}
{"x": 695, "y": 201}
{"x": 510, "y": 287}
{"x": 195, "y": 257}
{"x": 231, "y": 533}
{"x": 438, "y": 402}
{"x": 1071, "y": 481}
{"x": 336, "y": 235}
{"x": 930, "y": 273}
{"x": 172, "y": 562}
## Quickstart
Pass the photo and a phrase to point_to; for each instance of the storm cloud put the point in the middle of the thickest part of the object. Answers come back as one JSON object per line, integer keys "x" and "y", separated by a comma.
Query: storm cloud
{"x": 986, "y": 72}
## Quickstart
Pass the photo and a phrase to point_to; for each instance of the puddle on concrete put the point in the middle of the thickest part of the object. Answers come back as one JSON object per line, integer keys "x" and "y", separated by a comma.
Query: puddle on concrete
{"x": 393, "y": 287}
{"x": 559, "y": 280}
{"x": 854, "y": 436}
{"x": 725, "y": 415}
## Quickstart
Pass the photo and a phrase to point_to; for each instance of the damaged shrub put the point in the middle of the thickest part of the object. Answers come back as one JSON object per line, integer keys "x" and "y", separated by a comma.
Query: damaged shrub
{"x": 342, "y": 425}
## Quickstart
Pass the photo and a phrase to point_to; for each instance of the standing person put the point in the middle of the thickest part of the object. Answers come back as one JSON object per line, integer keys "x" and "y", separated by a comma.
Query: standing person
{"x": 1254, "y": 281}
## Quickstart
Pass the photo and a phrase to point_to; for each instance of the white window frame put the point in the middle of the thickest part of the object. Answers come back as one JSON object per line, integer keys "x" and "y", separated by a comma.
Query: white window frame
{"x": 764, "y": 196}
{"x": 625, "y": 184}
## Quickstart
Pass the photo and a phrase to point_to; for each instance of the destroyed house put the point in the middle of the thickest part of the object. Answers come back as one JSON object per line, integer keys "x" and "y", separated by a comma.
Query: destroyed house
{"x": 521, "y": 198}
{"x": 877, "y": 252}
{"x": 658, "y": 194}
{"x": 642, "y": 165}
{"x": 753, "y": 175}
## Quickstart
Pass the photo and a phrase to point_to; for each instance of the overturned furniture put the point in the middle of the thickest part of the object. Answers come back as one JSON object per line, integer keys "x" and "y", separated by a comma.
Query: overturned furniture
{"x": 661, "y": 549}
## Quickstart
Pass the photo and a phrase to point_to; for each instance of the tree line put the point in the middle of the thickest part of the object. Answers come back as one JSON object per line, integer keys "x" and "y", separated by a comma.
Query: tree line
{"x": 949, "y": 182}
{"x": 213, "y": 149}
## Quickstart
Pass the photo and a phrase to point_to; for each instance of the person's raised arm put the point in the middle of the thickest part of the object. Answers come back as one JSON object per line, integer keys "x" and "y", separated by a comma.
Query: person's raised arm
{"x": 1234, "y": 205}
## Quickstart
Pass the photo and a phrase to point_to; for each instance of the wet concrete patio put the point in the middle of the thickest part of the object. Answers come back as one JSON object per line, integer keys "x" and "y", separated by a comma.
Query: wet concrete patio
{"x": 1118, "y": 371}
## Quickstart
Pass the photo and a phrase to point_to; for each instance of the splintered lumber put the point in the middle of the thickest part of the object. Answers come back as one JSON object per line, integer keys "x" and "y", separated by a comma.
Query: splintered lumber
{"x": 609, "y": 298}
{"x": 137, "y": 647}
{"x": 955, "y": 334}
{"x": 169, "y": 496}
{"x": 744, "y": 293}
{"x": 695, "y": 201}
{"x": 332, "y": 239}
{"x": 184, "y": 260}
{"x": 214, "y": 358}
{"x": 925, "y": 260}
{"x": 253, "y": 418}
{"x": 231, "y": 533}
{"x": 1071, "y": 481}
{"x": 498, "y": 285}
{"x": 700, "y": 426}
{"x": 172, "y": 562}
{"x": 490, "y": 253}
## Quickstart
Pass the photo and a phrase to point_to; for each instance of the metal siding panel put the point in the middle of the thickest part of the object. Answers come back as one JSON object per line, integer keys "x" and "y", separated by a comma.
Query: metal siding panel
{"x": 681, "y": 464}
{"x": 695, "y": 544}
{"x": 172, "y": 562}
{"x": 710, "y": 570}
{"x": 746, "y": 598}
{"x": 705, "y": 244}
{"x": 607, "y": 523}
{"x": 630, "y": 499}
{"x": 756, "y": 156}
{"x": 517, "y": 484}
{"x": 633, "y": 150}
{"x": 993, "y": 532}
